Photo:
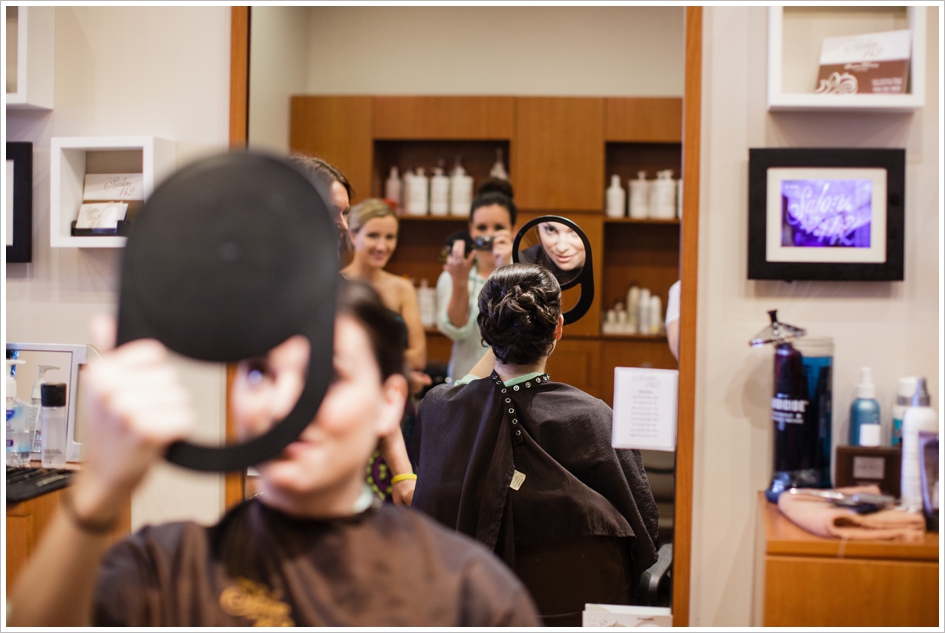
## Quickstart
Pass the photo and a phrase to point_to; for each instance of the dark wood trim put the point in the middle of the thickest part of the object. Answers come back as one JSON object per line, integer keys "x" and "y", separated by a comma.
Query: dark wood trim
{"x": 235, "y": 482}
{"x": 689, "y": 275}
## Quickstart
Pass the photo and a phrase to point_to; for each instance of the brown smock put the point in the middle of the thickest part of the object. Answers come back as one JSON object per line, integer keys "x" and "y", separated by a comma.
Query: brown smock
{"x": 386, "y": 566}
{"x": 473, "y": 444}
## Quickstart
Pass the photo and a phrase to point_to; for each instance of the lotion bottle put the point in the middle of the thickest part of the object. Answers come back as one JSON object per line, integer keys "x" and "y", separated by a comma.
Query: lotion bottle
{"x": 426, "y": 298}
{"x": 864, "y": 409}
{"x": 439, "y": 193}
{"x": 616, "y": 198}
{"x": 36, "y": 404}
{"x": 639, "y": 197}
{"x": 656, "y": 314}
{"x": 461, "y": 189}
{"x": 419, "y": 191}
{"x": 405, "y": 191}
{"x": 392, "y": 189}
{"x": 918, "y": 417}
{"x": 663, "y": 196}
{"x": 54, "y": 422}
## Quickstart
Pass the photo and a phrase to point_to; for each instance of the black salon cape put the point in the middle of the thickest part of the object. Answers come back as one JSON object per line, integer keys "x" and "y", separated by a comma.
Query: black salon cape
{"x": 466, "y": 449}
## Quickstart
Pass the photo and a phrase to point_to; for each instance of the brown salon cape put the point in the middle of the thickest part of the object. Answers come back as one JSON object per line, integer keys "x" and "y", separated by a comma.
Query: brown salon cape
{"x": 473, "y": 443}
{"x": 386, "y": 566}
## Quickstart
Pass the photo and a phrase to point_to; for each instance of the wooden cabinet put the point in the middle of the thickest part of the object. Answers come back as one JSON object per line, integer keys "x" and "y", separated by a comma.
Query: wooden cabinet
{"x": 803, "y": 580}
{"x": 557, "y": 163}
{"x": 340, "y": 130}
{"x": 560, "y": 152}
{"x": 26, "y": 522}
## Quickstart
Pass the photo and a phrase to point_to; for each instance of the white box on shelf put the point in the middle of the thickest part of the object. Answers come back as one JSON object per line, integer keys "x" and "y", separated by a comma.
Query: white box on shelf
{"x": 618, "y": 615}
{"x": 790, "y": 88}
{"x": 68, "y": 162}
{"x": 31, "y": 66}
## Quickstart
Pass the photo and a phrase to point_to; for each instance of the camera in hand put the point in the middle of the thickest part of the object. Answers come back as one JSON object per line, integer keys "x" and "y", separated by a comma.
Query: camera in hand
{"x": 481, "y": 243}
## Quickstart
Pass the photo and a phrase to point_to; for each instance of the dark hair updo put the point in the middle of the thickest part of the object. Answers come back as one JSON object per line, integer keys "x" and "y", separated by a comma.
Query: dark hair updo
{"x": 384, "y": 328}
{"x": 494, "y": 197}
{"x": 518, "y": 312}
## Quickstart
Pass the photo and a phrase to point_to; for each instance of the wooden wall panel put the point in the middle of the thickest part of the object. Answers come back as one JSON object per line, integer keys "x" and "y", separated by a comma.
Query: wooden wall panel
{"x": 443, "y": 118}
{"x": 643, "y": 120}
{"x": 577, "y": 362}
{"x": 340, "y": 130}
{"x": 557, "y": 158}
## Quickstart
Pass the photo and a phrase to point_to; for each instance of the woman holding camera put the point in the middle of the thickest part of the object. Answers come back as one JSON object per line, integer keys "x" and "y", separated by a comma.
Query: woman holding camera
{"x": 464, "y": 274}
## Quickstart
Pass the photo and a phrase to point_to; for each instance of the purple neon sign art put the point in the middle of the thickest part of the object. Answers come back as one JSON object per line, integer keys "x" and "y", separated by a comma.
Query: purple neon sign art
{"x": 826, "y": 213}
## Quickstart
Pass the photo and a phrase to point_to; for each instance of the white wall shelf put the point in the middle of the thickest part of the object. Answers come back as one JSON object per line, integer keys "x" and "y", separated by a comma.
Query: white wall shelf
{"x": 31, "y": 35}
{"x": 795, "y": 36}
{"x": 71, "y": 158}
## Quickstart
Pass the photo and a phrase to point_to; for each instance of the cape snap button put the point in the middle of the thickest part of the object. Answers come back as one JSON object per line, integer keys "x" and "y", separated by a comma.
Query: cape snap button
{"x": 515, "y": 387}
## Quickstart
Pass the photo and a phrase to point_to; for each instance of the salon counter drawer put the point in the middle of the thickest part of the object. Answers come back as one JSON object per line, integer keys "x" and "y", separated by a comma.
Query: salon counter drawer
{"x": 805, "y": 580}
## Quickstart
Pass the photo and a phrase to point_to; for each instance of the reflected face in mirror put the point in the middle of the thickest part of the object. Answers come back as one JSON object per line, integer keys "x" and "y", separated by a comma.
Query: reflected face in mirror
{"x": 340, "y": 206}
{"x": 562, "y": 246}
{"x": 374, "y": 243}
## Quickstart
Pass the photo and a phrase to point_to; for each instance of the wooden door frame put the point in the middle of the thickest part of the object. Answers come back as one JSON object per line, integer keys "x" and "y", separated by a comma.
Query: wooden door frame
{"x": 689, "y": 272}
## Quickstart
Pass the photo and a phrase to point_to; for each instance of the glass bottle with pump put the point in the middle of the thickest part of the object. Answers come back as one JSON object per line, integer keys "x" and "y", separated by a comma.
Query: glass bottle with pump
{"x": 36, "y": 405}
{"x": 54, "y": 422}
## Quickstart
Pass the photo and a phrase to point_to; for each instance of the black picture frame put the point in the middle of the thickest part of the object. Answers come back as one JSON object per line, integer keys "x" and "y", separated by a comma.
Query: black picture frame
{"x": 21, "y": 248}
{"x": 772, "y": 221}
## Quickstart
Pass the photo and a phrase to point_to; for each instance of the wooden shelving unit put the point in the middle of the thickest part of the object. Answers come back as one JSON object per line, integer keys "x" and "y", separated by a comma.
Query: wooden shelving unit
{"x": 560, "y": 153}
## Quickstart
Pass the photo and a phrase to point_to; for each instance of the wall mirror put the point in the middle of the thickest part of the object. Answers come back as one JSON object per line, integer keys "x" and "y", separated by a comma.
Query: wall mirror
{"x": 309, "y": 80}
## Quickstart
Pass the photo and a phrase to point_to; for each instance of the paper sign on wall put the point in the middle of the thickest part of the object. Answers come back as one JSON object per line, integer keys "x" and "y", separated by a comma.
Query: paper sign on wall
{"x": 113, "y": 187}
{"x": 645, "y": 408}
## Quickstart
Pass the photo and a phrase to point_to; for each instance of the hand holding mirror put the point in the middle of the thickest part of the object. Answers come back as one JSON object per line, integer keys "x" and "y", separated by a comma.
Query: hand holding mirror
{"x": 228, "y": 258}
{"x": 561, "y": 246}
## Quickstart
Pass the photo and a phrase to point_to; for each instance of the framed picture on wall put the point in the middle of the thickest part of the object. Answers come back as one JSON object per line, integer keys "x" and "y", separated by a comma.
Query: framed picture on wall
{"x": 826, "y": 214}
{"x": 19, "y": 202}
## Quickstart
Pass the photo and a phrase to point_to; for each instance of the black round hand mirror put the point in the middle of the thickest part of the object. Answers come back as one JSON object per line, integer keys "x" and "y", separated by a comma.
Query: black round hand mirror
{"x": 561, "y": 246}
{"x": 228, "y": 258}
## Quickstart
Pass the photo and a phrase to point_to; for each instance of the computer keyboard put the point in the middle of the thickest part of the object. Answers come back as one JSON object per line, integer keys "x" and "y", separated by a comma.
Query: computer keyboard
{"x": 27, "y": 483}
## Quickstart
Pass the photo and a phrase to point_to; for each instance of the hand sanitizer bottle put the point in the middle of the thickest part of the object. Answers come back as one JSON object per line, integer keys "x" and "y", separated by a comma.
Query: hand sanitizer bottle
{"x": 36, "y": 404}
{"x": 918, "y": 417}
{"x": 17, "y": 429}
{"x": 864, "y": 409}
{"x": 616, "y": 199}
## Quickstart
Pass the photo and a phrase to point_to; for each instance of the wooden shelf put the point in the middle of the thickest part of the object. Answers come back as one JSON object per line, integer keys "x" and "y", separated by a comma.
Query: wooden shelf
{"x": 795, "y": 36}
{"x": 674, "y": 221}
{"x": 636, "y": 337}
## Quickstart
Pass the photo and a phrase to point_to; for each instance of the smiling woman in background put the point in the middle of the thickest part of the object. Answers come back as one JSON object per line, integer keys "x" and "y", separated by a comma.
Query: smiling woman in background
{"x": 372, "y": 233}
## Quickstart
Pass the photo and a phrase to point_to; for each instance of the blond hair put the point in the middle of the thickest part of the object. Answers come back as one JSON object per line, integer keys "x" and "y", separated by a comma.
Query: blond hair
{"x": 367, "y": 210}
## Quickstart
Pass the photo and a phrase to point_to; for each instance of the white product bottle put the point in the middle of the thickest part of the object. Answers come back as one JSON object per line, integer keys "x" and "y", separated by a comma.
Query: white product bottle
{"x": 616, "y": 199}
{"x": 17, "y": 429}
{"x": 610, "y": 322}
{"x": 36, "y": 404}
{"x": 498, "y": 169}
{"x": 54, "y": 422}
{"x": 633, "y": 308}
{"x": 392, "y": 189}
{"x": 439, "y": 193}
{"x": 426, "y": 298}
{"x": 918, "y": 417}
{"x": 656, "y": 314}
{"x": 679, "y": 198}
{"x": 663, "y": 196}
{"x": 405, "y": 191}
{"x": 903, "y": 397}
{"x": 418, "y": 188}
{"x": 643, "y": 318}
{"x": 461, "y": 190}
{"x": 639, "y": 196}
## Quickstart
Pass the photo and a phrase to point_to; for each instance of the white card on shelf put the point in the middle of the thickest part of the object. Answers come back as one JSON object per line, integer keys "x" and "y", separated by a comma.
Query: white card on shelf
{"x": 608, "y": 615}
{"x": 101, "y": 215}
{"x": 645, "y": 408}
{"x": 113, "y": 187}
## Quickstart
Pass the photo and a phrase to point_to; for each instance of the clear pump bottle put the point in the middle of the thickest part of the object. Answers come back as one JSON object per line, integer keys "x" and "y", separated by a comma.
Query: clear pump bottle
{"x": 36, "y": 405}
{"x": 54, "y": 422}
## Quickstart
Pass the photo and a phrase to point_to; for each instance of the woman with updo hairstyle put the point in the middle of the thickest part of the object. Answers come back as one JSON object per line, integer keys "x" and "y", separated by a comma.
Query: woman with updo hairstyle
{"x": 525, "y": 465}
{"x": 372, "y": 232}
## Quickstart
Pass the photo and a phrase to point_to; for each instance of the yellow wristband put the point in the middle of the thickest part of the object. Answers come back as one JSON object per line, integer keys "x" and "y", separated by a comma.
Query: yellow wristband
{"x": 396, "y": 479}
